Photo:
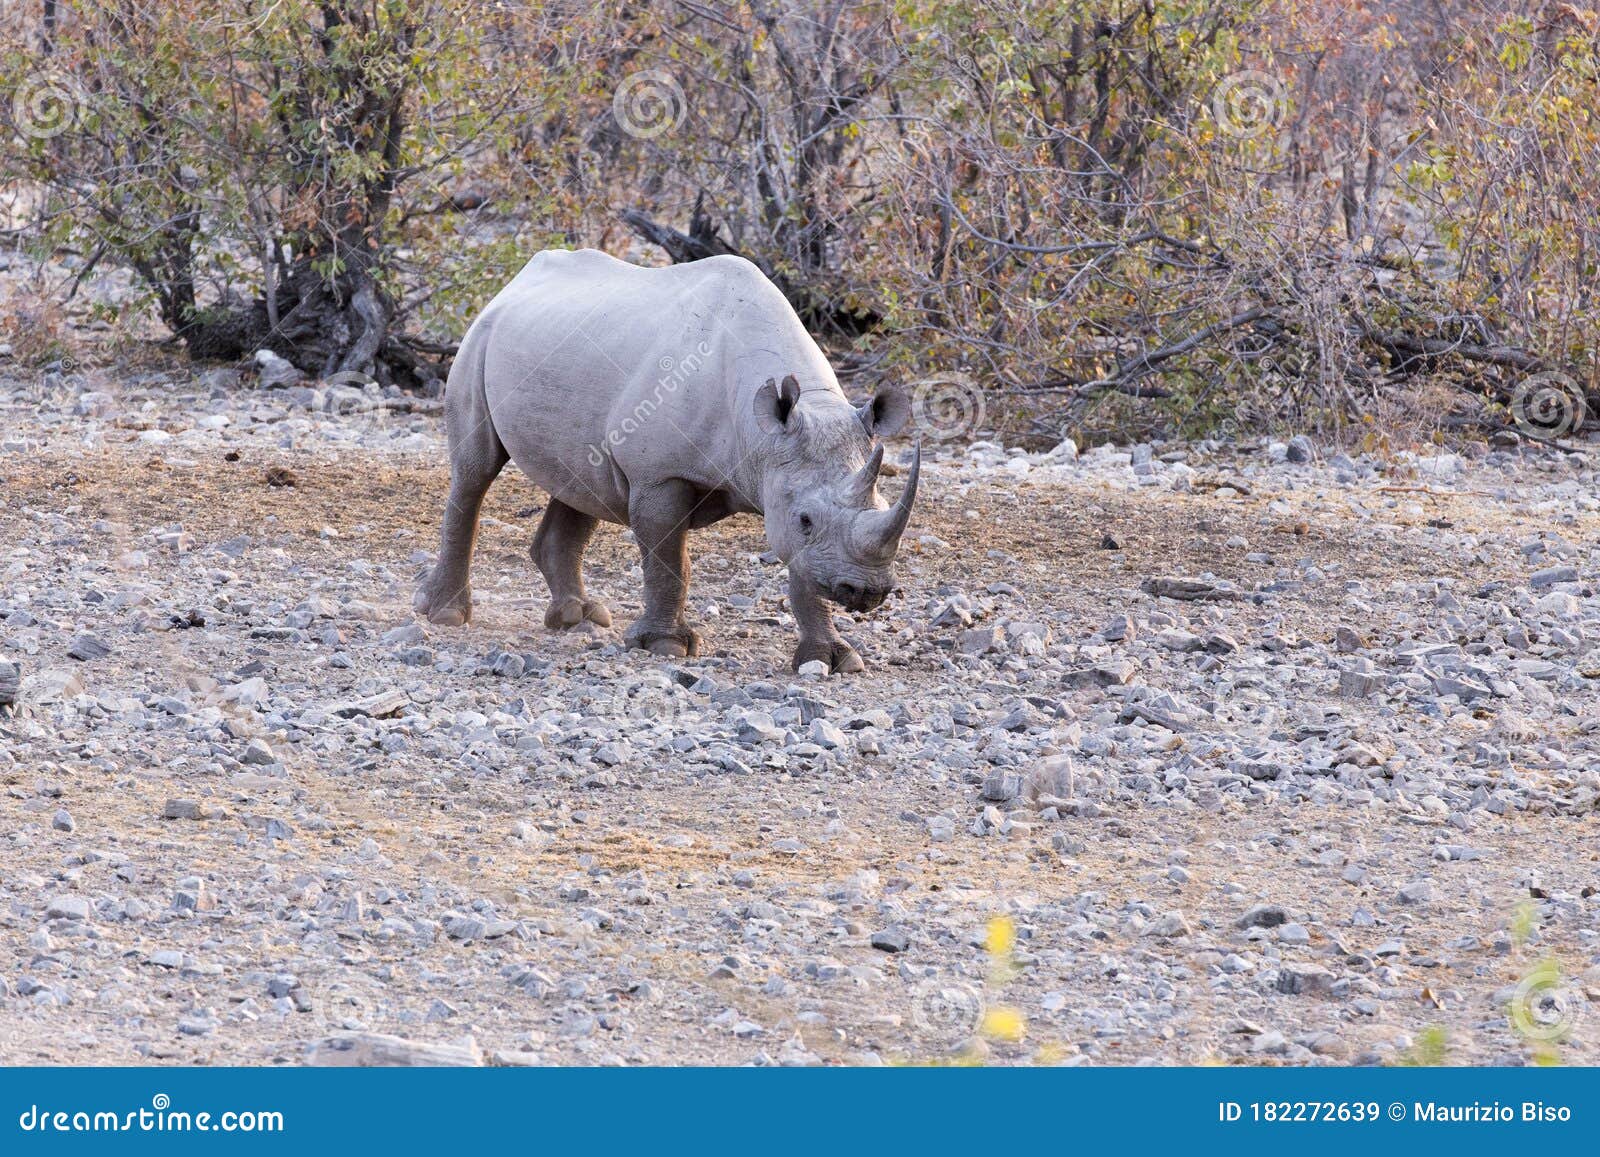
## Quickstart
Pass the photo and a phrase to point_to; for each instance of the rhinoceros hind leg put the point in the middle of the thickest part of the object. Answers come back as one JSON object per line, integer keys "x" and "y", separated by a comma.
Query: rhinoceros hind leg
{"x": 444, "y": 596}
{"x": 571, "y": 612}
{"x": 558, "y": 547}
{"x": 660, "y": 516}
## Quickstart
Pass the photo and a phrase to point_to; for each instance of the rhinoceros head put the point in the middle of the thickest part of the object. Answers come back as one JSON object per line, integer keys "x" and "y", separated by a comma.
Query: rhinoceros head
{"x": 824, "y": 515}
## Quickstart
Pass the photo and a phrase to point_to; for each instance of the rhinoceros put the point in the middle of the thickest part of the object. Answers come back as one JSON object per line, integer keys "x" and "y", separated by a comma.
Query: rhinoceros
{"x": 666, "y": 400}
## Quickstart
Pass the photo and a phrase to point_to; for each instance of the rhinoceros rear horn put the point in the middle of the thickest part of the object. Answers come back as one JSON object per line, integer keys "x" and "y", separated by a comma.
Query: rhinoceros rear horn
{"x": 878, "y": 531}
{"x": 858, "y": 491}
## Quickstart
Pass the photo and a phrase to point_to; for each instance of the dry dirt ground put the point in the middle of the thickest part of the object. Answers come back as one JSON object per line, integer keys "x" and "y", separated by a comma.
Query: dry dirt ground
{"x": 657, "y": 912}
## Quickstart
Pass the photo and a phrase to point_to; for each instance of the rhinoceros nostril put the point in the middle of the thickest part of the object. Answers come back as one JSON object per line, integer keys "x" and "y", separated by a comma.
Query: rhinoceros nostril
{"x": 847, "y": 593}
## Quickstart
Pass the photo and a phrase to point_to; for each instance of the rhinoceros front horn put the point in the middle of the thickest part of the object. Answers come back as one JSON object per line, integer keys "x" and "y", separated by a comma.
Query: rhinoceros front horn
{"x": 878, "y": 531}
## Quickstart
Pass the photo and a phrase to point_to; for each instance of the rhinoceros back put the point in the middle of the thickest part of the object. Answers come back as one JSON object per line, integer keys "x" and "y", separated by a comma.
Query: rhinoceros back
{"x": 598, "y": 376}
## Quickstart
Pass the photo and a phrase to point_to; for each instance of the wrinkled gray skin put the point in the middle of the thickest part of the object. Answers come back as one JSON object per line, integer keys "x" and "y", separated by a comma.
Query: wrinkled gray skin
{"x": 666, "y": 400}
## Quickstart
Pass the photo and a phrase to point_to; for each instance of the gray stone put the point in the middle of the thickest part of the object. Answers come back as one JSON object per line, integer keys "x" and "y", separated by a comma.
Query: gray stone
{"x": 1262, "y": 916}
{"x": 1111, "y": 673}
{"x": 68, "y": 908}
{"x": 826, "y": 734}
{"x": 258, "y": 754}
{"x": 1359, "y": 684}
{"x": 508, "y": 666}
{"x": 1169, "y": 926}
{"x": 181, "y": 809}
{"x": 1001, "y": 786}
{"x": 1348, "y": 639}
{"x": 465, "y": 927}
{"x": 379, "y": 1050}
{"x": 891, "y": 940}
{"x": 1306, "y": 980}
{"x": 87, "y": 648}
{"x": 1416, "y": 892}
{"x": 982, "y": 640}
{"x": 1551, "y": 575}
{"x": 1464, "y": 689}
{"x": 1119, "y": 629}
{"x": 52, "y": 686}
{"x": 274, "y": 372}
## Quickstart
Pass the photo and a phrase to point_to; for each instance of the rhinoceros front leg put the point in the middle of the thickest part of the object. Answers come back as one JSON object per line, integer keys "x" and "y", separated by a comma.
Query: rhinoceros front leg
{"x": 558, "y": 547}
{"x": 660, "y": 517}
{"x": 818, "y": 638}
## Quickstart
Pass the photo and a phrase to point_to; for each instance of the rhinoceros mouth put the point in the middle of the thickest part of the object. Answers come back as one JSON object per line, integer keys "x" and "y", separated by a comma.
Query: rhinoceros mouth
{"x": 858, "y": 598}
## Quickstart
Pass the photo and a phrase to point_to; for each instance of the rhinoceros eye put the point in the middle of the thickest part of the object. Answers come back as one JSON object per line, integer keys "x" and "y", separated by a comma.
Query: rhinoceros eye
{"x": 805, "y": 524}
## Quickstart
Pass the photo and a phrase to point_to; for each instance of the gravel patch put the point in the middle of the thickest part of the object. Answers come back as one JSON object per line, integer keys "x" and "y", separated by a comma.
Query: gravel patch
{"x": 1274, "y": 755}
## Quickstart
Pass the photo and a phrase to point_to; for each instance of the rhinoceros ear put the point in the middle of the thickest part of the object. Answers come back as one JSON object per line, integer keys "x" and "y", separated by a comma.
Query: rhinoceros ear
{"x": 774, "y": 404}
{"x": 887, "y": 413}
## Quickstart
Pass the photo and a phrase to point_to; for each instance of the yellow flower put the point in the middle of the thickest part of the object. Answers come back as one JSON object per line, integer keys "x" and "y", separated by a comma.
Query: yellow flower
{"x": 1002, "y": 936}
{"x": 1003, "y": 1023}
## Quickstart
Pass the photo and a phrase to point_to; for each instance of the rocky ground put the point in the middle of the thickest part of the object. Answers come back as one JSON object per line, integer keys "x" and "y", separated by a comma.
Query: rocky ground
{"x": 1331, "y": 799}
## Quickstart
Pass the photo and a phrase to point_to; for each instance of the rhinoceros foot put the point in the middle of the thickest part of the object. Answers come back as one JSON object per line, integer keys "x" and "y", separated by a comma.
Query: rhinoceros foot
{"x": 571, "y": 612}
{"x": 839, "y": 655}
{"x": 445, "y": 608}
{"x": 676, "y": 643}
